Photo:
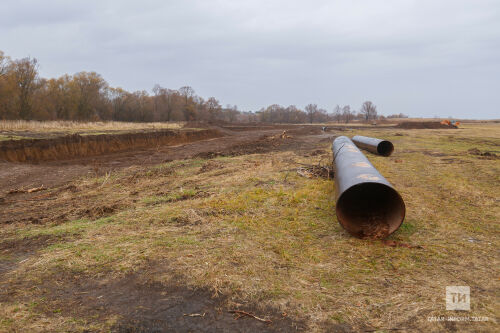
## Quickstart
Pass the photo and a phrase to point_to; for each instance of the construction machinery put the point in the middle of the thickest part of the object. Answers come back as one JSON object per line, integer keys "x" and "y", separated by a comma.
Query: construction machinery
{"x": 451, "y": 123}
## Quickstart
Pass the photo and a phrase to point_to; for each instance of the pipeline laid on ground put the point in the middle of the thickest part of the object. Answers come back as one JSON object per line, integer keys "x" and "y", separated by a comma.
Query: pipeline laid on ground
{"x": 374, "y": 145}
{"x": 367, "y": 204}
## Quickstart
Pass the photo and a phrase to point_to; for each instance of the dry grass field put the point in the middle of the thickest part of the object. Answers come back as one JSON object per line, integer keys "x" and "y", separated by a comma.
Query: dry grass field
{"x": 183, "y": 242}
{"x": 22, "y": 129}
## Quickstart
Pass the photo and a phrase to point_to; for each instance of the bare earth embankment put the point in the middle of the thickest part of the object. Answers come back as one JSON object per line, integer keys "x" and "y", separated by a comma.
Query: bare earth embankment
{"x": 223, "y": 234}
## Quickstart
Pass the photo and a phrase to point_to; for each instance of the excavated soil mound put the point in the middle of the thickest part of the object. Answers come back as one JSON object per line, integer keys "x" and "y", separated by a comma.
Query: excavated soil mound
{"x": 76, "y": 145}
{"x": 291, "y": 129}
{"x": 256, "y": 127}
{"x": 424, "y": 125}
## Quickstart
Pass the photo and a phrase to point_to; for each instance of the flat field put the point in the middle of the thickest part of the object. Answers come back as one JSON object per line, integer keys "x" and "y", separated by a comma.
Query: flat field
{"x": 22, "y": 129}
{"x": 195, "y": 237}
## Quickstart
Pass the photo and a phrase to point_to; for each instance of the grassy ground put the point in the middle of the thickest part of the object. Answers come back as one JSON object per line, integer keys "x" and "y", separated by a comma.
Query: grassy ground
{"x": 250, "y": 228}
{"x": 50, "y": 126}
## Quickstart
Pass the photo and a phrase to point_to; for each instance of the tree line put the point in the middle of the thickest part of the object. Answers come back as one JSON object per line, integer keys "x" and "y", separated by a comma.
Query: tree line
{"x": 86, "y": 96}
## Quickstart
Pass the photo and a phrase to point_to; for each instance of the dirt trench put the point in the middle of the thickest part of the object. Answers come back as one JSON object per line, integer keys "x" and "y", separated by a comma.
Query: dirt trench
{"x": 424, "y": 125}
{"x": 70, "y": 146}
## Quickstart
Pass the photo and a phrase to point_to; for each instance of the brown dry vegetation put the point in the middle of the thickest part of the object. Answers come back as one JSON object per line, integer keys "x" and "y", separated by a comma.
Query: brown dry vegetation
{"x": 58, "y": 125}
{"x": 23, "y": 129}
{"x": 139, "y": 247}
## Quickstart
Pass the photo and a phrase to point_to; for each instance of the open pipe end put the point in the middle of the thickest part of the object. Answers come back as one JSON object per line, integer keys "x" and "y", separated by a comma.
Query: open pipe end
{"x": 385, "y": 148}
{"x": 370, "y": 210}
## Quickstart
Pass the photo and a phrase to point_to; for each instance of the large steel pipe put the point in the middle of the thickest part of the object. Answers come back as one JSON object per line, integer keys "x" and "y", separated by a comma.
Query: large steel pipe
{"x": 367, "y": 204}
{"x": 376, "y": 146}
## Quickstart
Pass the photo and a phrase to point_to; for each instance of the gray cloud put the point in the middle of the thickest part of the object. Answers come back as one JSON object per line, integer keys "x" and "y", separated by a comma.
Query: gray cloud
{"x": 421, "y": 57}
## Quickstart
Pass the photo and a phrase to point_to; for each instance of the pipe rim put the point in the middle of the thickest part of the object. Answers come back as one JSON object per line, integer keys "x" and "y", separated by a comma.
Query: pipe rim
{"x": 385, "y": 148}
{"x": 370, "y": 210}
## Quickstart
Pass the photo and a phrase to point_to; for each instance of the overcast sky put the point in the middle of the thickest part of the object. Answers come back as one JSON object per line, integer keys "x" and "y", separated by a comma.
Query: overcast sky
{"x": 419, "y": 57}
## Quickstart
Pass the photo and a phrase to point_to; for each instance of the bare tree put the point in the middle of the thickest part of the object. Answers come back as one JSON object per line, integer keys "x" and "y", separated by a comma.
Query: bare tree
{"x": 294, "y": 115}
{"x": 7, "y": 109}
{"x": 187, "y": 92}
{"x": 321, "y": 115}
{"x": 4, "y": 64}
{"x": 347, "y": 114}
{"x": 401, "y": 115}
{"x": 26, "y": 75}
{"x": 231, "y": 113}
{"x": 337, "y": 113}
{"x": 87, "y": 96}
{"x": 311, "y": 110}
{"x": 159, "y": 100}
{"x": 92, "y": 92}
{"x": 163, "y": 103}
{"x": 170, "y": 96}
{"x": 214, "y": 108}
{"x": 369, "y": 110}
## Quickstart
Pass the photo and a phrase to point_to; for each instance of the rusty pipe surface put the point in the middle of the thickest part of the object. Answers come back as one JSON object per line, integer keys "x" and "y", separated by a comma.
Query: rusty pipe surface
{"x": 367, "y": 204}
{"x": 374, "y": 145}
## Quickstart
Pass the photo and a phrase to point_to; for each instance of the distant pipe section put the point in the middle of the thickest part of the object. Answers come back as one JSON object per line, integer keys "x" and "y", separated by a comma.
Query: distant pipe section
{"x": 367, "y": 204}
{"x": 374, "y": 145}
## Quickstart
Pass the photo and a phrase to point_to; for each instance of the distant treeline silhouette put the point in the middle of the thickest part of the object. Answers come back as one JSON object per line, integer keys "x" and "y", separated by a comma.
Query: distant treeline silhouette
{"x": 86, "y": 96}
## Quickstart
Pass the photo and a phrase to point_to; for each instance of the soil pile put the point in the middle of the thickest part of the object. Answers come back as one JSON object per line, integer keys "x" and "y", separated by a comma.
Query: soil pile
{"x": 424, "y": 125}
